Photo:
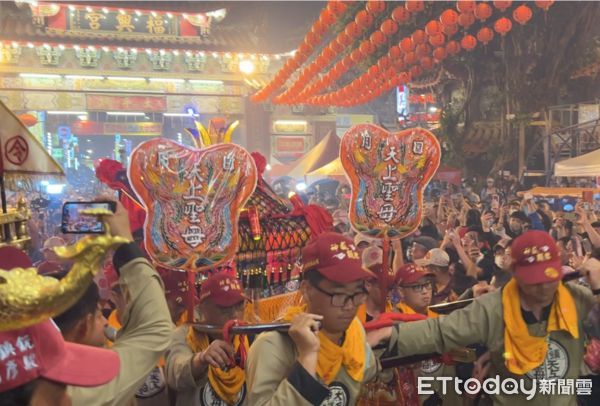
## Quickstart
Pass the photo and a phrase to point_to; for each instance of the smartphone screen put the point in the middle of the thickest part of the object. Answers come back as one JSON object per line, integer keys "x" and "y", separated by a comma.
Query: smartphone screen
{"x": 74, "y": 222}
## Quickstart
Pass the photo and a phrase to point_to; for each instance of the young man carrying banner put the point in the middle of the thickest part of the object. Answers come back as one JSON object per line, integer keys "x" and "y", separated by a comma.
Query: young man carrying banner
{"x": 533, "y": 327}
{"x": 325, "y": 356}
{"x": 201, "y": 367}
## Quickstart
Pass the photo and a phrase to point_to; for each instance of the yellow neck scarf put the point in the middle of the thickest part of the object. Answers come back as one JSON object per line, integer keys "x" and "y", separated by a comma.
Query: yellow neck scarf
{"x": 226, "y": 384}
{"x": 361, "y": 314}
{"x": 523, "y": 352}
{"x": 406, "y": 309}
{"x": 352, "y": 353}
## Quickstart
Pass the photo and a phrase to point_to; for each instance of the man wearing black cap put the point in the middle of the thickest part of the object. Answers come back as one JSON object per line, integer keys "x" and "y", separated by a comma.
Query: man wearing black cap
{"x": 325, "y": 356}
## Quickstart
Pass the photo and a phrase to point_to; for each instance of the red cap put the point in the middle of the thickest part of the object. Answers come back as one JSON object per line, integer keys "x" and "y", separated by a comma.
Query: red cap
{"x": 11, "y": 257}
{"x": 40, "y": 351}
{"x": 335, "y": 257}
{"x": 223, "y": 289}
{"x": 411, "y": 273}
{"x": 176, "y": 284}
{"x": 536, "y": 258}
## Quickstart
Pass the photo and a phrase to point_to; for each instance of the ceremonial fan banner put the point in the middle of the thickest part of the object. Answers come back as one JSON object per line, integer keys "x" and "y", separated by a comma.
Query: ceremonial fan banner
{"x": 193, "y": 198}
{"x": 23, "y": 158}
{"x": 388, "y": 173}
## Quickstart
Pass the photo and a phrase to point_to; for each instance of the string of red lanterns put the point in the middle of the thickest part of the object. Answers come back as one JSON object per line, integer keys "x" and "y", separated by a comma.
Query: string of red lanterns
{"x": 375, "y": 82}
{"x": 403, "y": 62}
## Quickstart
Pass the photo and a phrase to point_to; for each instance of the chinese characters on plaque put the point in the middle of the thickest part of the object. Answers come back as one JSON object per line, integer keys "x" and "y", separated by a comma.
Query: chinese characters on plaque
{"x": 193, "y": 198}
{"x": 388, "y": 173}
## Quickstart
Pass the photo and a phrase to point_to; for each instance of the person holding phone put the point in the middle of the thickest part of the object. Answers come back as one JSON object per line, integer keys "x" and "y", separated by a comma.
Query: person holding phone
{"x": 147, "y": 326}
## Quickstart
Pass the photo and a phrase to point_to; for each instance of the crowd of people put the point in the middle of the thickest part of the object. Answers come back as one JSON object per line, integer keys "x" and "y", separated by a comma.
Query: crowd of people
{"x": 520, "y": 276}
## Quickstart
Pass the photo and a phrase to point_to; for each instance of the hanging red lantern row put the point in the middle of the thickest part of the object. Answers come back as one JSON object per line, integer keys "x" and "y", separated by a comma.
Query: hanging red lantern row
{"x": 522, "y": 14}
{"x": 387, "y": 28}
{"x": 381, "y": 77}
{"x": 311, "y": 40}
{"x": 328, "y": 54}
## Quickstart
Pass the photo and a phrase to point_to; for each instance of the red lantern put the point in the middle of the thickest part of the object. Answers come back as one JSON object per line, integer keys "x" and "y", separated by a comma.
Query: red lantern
{"x": 395, "y": 52}
{"x": 327, "y": 18}
{"x": 483, "y": 11}
{"x": 373, "y": 71}
{"x": 311, "y": 39}
{"x": 377, "y": 38}
{"x": 363, "y": 19}
{"x": 400, "y": 15}
{"x": 410, "y": 58}
{"x": 403, "y": 78}
{"x": 415, "y": 71}
{"x": 319, "y": 28}
{"x": 28, "y": 120}
{"x": 414, "y": 6}
{"x": 336, "y": 46}
{"x": 407, "y": 44}
{"x": 389, "y": 27}
{"x": 433, "y": 27}
{"x": 485, "y": 35}
{"x": 452, "y": 47}
{"x": 502, "y": 5}
{"x": 437, "y": 40}
{"x": 427, "y": 63}
{"x": 544, "y": 4}
{"x": 353, "y": 30}
{"x": 468, "y": 42}
{"x": 399, "y": 64}
{"x": 375, "y": 6}
{"x": 465, "y": 20}
{"x": 336, "y": 7}
{"x": 366, "y": 47}
{"x": 522, "y": 14}
{"x": 356, "y": 56}
{"x": 419, "y": 37}
{"x": 503, "y": 25}
{"x": 450, "y": 30}
{"x": 449, "y": 17}
{"x": 384, "y": 62}
{"x": 466, "y": 6}
{"x": 304, "y": 49}
{"x": 440, "y": 54}
{"x": 348, "y": 62}
{"x": 328, "y": 53}
{"x": 422, "y": 50}
{"x": 344, "y": 39}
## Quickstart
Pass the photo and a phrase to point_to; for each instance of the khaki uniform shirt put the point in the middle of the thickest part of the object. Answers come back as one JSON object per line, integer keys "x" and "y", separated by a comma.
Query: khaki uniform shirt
{"x": 274, "y": 377}
{"x": 190, "y": 391}
{"x": 482, "y": 323}
{"x": 145, "y": 335}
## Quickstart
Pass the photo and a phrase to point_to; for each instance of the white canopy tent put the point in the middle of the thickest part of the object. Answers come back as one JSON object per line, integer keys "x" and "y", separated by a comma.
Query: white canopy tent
{"x": 587, "y": 165}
